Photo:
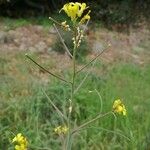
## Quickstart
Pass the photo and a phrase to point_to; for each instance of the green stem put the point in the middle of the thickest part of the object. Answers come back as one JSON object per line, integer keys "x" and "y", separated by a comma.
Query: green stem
{"x": 68, "y": 145}
{"x": 91, "y": 121}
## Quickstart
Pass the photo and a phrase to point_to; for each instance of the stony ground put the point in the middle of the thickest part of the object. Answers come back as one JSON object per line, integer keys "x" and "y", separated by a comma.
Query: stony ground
{"x": 133, "y": 46}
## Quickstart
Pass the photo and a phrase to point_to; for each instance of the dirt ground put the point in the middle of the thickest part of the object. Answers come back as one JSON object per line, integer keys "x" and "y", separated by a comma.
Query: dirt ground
{"x": 134, "y": 46}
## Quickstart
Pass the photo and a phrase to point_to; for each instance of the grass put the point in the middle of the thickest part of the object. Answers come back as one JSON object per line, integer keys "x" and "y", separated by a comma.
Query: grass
{"x": 24, "y": 108}
{"x": 12, "y": 23}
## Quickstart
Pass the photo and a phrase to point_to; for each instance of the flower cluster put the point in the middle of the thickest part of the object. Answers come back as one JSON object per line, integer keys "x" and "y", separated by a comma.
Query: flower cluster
{"x": 119, "y": 107}
{"x": 75, "y": 11}
{"x": 20, "y": 141}
{"x": 61, "y": 130}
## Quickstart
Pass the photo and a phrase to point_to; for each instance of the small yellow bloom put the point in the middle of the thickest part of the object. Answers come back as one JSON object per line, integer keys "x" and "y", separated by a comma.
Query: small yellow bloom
{"x": 119, "y": 107}
{"x": 82, "y": 7}
{"x": 75, "y": 11}
{"x": 20, "y": 147}
{"x": 86, "y": 17}
{"x": 61, "y": 129}
{"x": 21, "y": 142}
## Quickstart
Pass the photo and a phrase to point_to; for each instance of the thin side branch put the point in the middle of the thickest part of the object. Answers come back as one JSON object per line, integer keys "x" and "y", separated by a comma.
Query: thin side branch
{"x": 46, "y": 69}
{"x": 62, "y": 41}
{"x": 91, "y": 121}
{"x": 54, "y": 21}
{"x": 101, "y": 101}
{"x": 85, "y": 27}
{"x": 115, "y": 132}
{"x": 56, "y": 108}
{"x": 83, "y": 80}
{"x": 92, "y": 60}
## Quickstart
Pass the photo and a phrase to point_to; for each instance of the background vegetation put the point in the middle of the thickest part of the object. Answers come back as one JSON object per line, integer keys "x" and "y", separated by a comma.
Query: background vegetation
{"x": 23, "y": 106}
{"x": 121, "y": 12}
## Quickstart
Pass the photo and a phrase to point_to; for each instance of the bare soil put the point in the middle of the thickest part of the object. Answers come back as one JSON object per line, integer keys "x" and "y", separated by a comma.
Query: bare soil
{"x": 134, "y": 46}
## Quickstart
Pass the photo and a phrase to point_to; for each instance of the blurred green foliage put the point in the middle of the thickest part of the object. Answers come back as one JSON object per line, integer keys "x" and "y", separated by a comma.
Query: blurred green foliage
{"x": 24, "y": 107}
{"x": 120, "y": 11}
{"x": 109, "y": 12}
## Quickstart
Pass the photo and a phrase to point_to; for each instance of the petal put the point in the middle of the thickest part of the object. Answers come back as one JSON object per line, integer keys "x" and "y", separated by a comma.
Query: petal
{"x": 81, "y": 10}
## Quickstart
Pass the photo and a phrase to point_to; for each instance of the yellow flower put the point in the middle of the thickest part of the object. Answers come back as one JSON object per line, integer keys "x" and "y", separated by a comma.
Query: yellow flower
{"x": 82, "y": 7}
{"x": 61, "y": 129}
{"x": 71, "y": 10}
{"x": 75, "y": 10}
{"x": 86, "y": 17}
{"x": 21, "y": 142}
{"x": 20, "y": 147}
{"x": 64, "y": 129}
{"x": 119, "y": 107}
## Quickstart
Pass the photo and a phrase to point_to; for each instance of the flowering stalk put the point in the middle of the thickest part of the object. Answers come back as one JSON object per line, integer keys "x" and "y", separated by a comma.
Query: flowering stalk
{"x": 65, "y": 131}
